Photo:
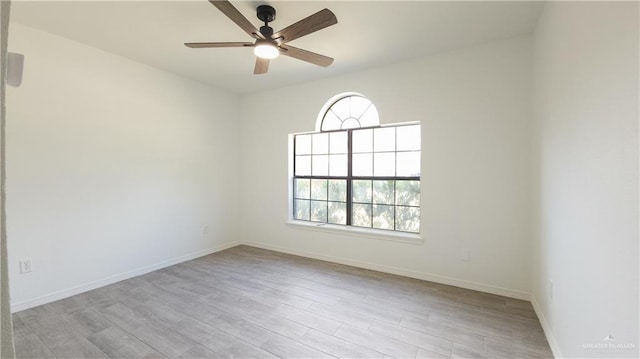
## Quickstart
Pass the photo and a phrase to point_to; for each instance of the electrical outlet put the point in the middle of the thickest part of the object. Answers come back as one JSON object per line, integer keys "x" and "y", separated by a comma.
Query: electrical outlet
{"x": 550, "y": 289}
{"x": 25, "y": 266}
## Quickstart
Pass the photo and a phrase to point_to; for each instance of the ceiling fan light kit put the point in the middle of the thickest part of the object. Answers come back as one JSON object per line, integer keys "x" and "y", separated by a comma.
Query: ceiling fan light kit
{"x": 266, "y": 50}
{"x": 267, "y": 45}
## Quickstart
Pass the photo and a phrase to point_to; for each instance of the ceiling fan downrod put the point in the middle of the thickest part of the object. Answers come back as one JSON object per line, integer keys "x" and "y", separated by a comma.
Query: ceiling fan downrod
{"x": 266, "y": 14}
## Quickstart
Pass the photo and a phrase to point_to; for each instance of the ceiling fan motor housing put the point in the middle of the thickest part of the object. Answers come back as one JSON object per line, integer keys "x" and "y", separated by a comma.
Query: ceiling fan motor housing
{"x": 266, "y": 13}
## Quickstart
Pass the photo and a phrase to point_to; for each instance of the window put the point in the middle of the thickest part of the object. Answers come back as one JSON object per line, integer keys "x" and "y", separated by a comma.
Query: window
{"x": 354, "y": 172}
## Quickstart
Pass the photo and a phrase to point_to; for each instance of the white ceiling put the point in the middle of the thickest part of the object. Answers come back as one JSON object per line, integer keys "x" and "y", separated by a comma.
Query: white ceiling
{"x": 368, "y": 33}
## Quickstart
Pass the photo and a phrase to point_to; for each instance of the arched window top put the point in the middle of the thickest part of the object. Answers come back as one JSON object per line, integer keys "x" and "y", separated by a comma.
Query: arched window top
{"x": 345, "y": 111}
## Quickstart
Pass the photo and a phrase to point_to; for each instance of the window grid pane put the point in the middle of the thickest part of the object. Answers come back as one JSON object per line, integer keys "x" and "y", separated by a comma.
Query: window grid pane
{"x": 361, "y": 215}
{"x": 320, "y": 144}
{"x": 301, "y": 209}
{"x": 338, "y": 142}
{"x": 303, "y": 165}
{"x": 319, "y": 189}
{"x": 302, "y": 188}
{"x": 384, "y": 139}
{"x": 319, "y": 211}
{"x": 338, "y": 165}
{"x": 408, "y": 164}
{"x": 384, "y": 192}
{"x": 408, "y": 138}
{"x": 320, "y": 165}
{"x": 361, "y": 190}
{"x": 337, "y": 190}
{"x": 338, "y": 213}
{"x": 362, "y": 141}
{"x": 384, "y": 164}
{"x": 383, "y": 217}
{"x": 408, "y": 219}
{"x": 362, "y": 164}
{"x": 303, "y": 145}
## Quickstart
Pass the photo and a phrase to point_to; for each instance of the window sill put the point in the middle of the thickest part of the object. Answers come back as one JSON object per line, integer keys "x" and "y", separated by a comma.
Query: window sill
{"x": 411, "y": 238}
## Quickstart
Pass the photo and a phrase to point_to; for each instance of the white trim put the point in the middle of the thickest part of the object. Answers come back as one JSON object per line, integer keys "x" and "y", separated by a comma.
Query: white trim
{"x": 290, "y": 162}
{"x": 487, "y": 288}
{"x": 65, "y": 293}
{"x": 404, "y": 237}
{"x": 553, "y": 344}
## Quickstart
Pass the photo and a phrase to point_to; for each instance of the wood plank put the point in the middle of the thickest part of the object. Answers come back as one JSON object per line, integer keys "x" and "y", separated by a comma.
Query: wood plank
{"x": 117, "y": 343}
{"x": 414, "y": 337}
{"x": 161, "y": 338}
{"x": 342, "y": 315}
{"x": 310, "y": 319}
{"x": 287, "y": 348}
{"x": 377, "y": 342}
{"x": 337, "y": 347}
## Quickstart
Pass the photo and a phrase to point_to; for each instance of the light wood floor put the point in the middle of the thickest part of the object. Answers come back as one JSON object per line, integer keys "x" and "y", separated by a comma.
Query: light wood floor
{"x": 251, "y": 303}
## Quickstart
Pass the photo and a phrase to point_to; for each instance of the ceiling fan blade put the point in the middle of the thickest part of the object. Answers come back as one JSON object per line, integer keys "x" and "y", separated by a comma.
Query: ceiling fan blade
{"x": 262, "y": 66}
{"x": 305, "y": 55}
{"x": 199, "y": 45}
{"x": 237, "y": 17}
{"x": 318, "y": 21}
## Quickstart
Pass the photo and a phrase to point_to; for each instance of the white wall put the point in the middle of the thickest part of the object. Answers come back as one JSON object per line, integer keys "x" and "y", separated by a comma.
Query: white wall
{"x": 113, "y": 167}
{"x": 586, "y": 176}
{"x": 474, "y": 107}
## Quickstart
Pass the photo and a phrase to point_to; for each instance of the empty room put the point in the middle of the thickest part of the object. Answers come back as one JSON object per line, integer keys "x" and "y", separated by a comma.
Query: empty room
{"x": 306, "y": 179}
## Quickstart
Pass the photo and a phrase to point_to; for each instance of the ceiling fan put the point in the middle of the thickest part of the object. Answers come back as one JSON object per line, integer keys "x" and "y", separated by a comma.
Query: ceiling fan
{"x": 268, "y": 45}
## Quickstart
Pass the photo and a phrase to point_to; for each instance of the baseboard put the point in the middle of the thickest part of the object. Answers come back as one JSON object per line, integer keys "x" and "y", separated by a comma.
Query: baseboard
{"x": 61, "y": 294}
{"x": 547, "y": 328}
{"x": 511, "y": 293}
{"x": 52, "y": 297}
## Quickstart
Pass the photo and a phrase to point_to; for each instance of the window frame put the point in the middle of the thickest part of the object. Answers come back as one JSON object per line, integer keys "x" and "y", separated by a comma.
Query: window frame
{"x": 348, "y": 227}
